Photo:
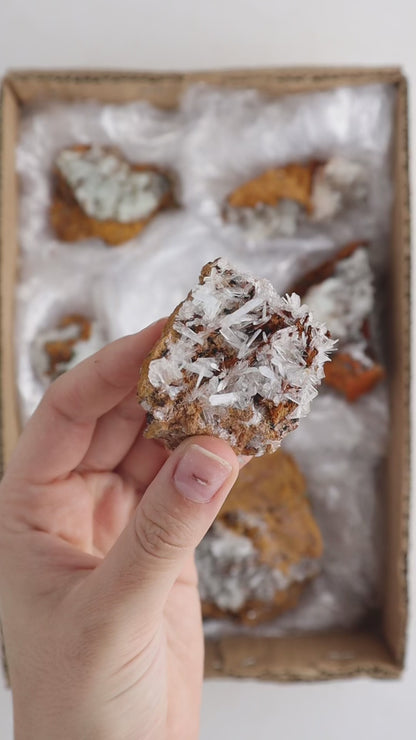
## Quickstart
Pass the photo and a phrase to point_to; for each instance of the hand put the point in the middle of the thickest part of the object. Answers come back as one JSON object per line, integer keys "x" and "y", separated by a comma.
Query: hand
{"x": 98, "y": 526}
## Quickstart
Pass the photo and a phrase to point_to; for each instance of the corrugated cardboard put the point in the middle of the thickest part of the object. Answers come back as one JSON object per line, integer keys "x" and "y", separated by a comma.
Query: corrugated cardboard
{"x": 379, "y": 649}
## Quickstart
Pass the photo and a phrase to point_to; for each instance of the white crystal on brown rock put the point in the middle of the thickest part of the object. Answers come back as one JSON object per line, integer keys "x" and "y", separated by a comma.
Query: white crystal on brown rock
{"x": 236, "y": 361}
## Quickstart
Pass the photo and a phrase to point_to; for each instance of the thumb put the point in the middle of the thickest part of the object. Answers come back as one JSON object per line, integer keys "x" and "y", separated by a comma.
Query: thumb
{"x": 173, "y": 516}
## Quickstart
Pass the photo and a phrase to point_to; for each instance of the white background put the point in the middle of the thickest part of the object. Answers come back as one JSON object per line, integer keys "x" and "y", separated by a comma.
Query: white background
{"x": 190, "y": 34}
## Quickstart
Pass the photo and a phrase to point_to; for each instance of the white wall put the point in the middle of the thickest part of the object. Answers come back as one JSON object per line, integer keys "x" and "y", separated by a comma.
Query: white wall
{"x": 184, "y": 34}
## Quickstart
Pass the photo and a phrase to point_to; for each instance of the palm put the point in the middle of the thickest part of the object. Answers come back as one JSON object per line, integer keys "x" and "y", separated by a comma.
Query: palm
{"x": 94, "y": 509}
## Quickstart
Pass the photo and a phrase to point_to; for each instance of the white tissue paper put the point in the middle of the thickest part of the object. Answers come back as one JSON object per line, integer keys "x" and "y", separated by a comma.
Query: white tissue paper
{"x": 215, "y": 141}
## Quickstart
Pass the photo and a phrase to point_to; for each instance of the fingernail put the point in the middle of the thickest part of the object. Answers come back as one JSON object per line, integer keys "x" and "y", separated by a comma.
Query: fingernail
{"x": 200, "y": 474}
{"x": 243, "y": 460}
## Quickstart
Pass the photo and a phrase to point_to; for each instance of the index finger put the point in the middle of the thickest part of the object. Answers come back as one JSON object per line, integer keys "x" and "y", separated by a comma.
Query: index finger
{"x": 58, "y": 435}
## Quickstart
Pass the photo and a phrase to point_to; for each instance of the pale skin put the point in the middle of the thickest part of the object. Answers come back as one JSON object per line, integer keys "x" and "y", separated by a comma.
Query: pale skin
{"x": 98, "y": 526}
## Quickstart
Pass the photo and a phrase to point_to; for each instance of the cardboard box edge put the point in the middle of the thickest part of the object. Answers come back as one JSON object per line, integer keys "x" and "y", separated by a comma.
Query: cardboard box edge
{"x": 403, "y": 92}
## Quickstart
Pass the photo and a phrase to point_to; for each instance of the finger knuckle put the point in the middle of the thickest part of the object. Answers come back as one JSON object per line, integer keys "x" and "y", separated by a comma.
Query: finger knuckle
{"x": 161, "y": 534}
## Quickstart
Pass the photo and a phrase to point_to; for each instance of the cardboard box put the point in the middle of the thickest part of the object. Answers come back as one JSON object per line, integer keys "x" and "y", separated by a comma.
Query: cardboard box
{"x": 379, "y": 649}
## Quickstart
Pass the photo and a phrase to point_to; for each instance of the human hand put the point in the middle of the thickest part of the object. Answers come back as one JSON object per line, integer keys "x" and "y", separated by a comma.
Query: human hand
{"x": 99, "y": 601}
